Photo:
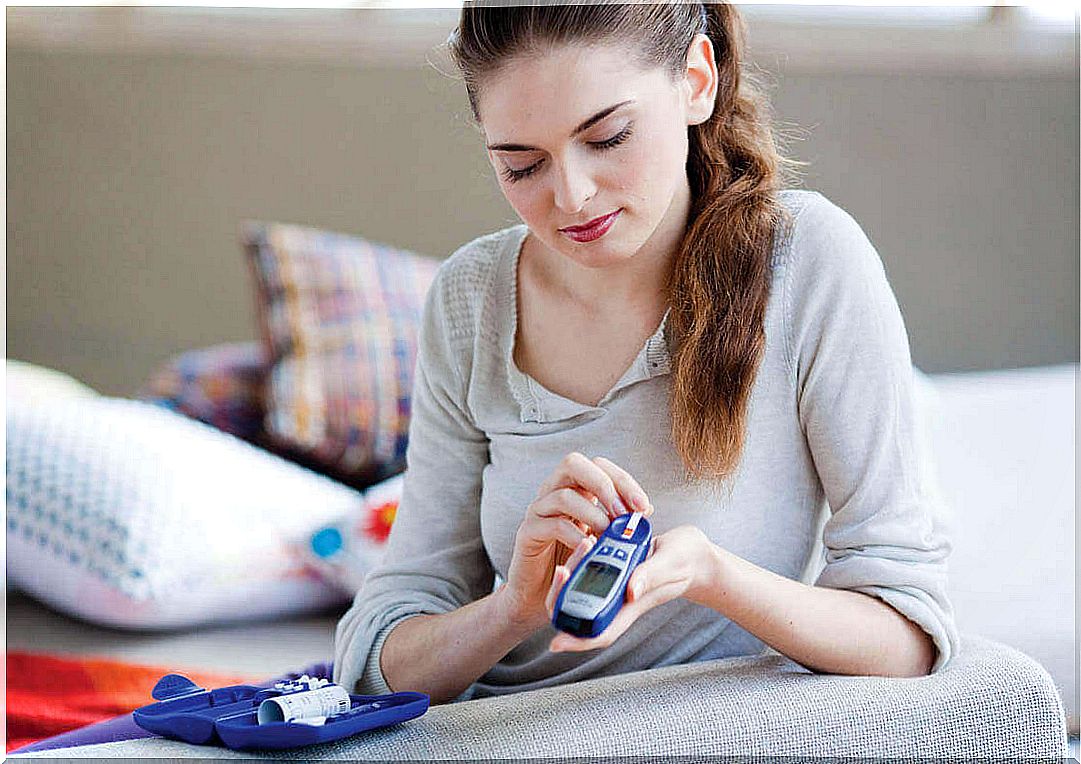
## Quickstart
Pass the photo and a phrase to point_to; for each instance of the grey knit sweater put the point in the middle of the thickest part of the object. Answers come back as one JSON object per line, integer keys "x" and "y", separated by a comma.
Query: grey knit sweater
{"x": 835, "y": 452}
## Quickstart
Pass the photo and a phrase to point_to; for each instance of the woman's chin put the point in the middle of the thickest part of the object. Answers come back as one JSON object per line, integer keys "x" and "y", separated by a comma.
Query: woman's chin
{"x": 596, "y": 254}
{"x": 598, "y": 260}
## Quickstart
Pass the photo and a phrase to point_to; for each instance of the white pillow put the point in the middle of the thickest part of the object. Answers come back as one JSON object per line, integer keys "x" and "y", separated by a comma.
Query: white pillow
{"x": 344, "y": 552}
{"x": 130, "y": 515}
{"x": 38, "y": 383}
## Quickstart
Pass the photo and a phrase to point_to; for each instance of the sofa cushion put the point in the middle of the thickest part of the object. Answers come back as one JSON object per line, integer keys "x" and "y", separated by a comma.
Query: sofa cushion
{"x": 339, "y": 318}
{"x": 128, "y": 514}
{"x": 221, "y": 385}
{"x": 1005, "y": 452}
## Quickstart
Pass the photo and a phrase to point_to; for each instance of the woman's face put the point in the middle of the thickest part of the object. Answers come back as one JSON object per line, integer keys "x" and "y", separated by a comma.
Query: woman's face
{"x": 579, "y": 133}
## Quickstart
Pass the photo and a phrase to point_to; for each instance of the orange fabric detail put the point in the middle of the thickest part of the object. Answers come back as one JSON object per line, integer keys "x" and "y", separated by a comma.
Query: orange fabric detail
{"x": 48, "y": 694}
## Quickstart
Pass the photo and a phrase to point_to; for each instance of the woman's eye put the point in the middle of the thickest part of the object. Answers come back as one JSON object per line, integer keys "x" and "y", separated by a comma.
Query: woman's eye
{"x": 512, "y": 176}
{"x": 615, "y": 140}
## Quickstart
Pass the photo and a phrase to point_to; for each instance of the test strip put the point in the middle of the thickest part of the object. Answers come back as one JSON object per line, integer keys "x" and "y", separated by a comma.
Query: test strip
{"x": 632, "y": 525}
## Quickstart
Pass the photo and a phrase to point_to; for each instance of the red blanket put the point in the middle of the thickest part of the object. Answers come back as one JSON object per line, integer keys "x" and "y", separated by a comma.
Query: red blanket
{"x": 47, "y": 694}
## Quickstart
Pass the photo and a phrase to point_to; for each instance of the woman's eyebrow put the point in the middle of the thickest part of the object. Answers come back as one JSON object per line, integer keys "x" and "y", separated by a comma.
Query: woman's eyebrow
{"x": 581, "y": 128}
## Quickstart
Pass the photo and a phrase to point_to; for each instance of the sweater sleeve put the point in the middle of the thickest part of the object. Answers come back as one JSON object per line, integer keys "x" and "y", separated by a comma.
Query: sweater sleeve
{"x": 434, "y": 561}
{"x": 848, "y": 351}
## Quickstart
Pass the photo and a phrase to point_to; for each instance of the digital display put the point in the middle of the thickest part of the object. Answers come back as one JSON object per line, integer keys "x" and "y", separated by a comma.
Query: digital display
{"x": 597, "y": 579}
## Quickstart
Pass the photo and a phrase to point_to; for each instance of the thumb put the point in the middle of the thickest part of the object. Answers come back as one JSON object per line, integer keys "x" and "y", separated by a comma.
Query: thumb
{"x": 636, "y": 586}
{"x": 559, "y": 579}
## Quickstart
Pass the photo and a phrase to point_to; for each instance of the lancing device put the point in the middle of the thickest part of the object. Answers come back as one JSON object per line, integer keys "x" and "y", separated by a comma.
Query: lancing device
{"x": 596, "y": 589}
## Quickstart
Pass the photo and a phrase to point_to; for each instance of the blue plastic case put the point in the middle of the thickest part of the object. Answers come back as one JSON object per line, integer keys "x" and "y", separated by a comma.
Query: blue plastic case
{"x": 592, "y": 627}
{"x": 227, "y": 716}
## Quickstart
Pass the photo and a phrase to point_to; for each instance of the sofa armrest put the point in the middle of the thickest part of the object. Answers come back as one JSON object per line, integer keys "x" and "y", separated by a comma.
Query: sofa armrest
{"x": 221, "y": 385}
{"x": 991, "y": 701}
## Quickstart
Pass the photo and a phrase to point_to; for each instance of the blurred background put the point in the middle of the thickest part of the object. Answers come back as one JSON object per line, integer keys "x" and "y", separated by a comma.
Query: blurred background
{"x": 138, "y": 138}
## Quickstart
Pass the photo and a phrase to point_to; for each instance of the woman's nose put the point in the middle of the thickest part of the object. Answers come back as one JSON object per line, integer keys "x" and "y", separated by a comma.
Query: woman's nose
{"x": 574, "y": 187}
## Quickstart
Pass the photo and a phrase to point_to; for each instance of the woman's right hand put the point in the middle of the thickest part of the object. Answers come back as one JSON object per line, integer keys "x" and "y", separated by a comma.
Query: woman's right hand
{"x": 573, "y": 507}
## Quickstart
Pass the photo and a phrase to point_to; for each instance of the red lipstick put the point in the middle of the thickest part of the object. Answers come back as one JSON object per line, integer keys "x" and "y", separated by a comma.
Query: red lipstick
{"x": 592, "y": 230}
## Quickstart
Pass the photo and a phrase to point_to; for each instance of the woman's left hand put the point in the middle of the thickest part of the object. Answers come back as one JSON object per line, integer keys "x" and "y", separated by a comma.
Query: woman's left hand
{"x": 678, "y": 564}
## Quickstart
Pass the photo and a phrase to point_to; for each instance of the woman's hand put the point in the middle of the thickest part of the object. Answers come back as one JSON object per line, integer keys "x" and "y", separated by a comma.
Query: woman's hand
{"x": 573, "y": 506}
{"x": 680, "y": 564}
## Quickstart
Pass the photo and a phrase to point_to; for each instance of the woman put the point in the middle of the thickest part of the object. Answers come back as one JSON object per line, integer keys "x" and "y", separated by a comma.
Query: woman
{"x": 722, "y": 355}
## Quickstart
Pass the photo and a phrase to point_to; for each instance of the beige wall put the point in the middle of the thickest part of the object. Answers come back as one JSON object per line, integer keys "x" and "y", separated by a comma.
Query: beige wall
{"x": 128, "y": 175}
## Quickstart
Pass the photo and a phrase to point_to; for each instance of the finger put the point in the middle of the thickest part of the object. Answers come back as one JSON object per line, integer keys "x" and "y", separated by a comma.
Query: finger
{"x": 655, "y": 596}
{"x": 579, "y": 470}
{"x": 626, "y": 485}
{"x": 580, "y": 551}
{"x": 649, "y": 575}
{"x": 568, "y": 567}
{"x": 539, "y": 532}
{"x": 569, "y": 643}
{"x": 636, "y": 585}
{"x": 559, "y": 580}
{"x": 569, "y": 502}
{"x": 627, "y": 615}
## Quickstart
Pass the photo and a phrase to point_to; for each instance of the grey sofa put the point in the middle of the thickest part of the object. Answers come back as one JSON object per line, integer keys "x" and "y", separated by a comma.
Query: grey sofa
{"x": 1003, "y": 443}
{"x": 991, "y": 701}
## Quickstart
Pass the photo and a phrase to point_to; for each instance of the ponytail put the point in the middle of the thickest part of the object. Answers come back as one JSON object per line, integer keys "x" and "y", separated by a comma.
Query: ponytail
{"x": 720, "y": 284}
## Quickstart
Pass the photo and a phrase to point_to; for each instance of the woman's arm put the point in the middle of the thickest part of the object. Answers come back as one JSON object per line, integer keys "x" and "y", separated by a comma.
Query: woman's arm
{"x": 887, "y": 534}
{"x": 434, "y": 561}
{"x": 828, "y": 630}
{"x": 883, "y": 588}
{"x": 879, "y": 606}
{"x": 834, "y": 631}
{"x": 442, "y": 655}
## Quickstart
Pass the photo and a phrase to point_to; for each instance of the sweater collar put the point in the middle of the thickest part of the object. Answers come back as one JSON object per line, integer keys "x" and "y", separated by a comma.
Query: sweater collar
{"x": 537, "y": 403}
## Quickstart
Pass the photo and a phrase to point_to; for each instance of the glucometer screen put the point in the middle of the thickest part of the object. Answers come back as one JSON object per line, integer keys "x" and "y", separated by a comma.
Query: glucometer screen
{"x": 596, "y": 579}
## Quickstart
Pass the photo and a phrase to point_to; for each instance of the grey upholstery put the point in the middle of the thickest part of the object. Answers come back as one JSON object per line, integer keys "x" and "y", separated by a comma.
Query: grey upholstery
{"x": 992, "y": 701}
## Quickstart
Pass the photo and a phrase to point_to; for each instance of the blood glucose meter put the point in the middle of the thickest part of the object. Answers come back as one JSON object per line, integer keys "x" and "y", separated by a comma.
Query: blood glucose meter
{"x": 595, "y": 591}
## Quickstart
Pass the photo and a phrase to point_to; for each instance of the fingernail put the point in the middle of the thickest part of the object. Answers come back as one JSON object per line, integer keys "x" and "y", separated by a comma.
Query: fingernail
{"x": 621, "y": 508}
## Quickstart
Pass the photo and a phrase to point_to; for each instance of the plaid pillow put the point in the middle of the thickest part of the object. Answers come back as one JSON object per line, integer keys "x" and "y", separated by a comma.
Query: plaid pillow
{"x": 339, "y": 318}
{"x": 221, "y": 385}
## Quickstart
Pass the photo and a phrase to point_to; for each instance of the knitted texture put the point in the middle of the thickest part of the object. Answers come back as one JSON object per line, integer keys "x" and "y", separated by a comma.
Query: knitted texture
{"x": 833, "y": 426}
{"x": 991, "y": 701}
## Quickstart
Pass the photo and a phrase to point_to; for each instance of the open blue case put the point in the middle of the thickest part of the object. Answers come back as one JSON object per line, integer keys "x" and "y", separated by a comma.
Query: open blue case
{"x": 227, "y": 716}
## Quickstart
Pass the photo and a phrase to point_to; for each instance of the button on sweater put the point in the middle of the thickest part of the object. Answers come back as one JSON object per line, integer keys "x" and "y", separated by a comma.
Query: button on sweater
{"x": 833, "y": 487}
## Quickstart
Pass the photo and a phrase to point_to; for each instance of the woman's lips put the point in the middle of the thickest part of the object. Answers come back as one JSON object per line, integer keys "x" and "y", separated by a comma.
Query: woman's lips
{"x": 593, "y": 230}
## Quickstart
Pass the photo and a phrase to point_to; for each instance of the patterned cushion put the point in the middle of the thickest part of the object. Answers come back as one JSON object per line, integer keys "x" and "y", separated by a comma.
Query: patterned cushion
{"x": 343, "y": 552}
{"x": 339, "y": 317}
{"x": 128, "y": 514}
{"x": 220, "y": 385}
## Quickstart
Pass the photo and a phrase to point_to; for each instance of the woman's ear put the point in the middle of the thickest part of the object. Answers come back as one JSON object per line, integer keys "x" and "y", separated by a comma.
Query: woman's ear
{"x": 700, "y": 80}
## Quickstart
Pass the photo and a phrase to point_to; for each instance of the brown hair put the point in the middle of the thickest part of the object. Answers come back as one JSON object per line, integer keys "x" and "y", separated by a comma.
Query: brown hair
{"x": 720, "y": 280}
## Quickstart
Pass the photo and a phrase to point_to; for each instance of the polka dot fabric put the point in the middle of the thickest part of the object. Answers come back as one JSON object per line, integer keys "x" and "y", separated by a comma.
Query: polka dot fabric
{"x": 128, "y": 514}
